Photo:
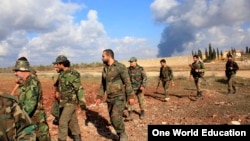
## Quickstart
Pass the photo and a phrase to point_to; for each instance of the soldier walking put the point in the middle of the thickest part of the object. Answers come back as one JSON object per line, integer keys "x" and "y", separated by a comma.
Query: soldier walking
{"x": 138, "y": 80}
{"x": 166, "y": 77}
{"x": 231, "y": 69}
{"x": 115, "y": 82}
{"x": 31, "y": 98}
{"x": 71, "y": 93}
{"x": 197, "y": 72}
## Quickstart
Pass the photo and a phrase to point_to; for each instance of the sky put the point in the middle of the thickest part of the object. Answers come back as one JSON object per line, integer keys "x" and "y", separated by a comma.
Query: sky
{"x": 40, "y": 30}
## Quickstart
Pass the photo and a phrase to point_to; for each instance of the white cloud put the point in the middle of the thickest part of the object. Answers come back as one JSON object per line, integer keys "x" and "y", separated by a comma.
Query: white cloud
{"x": 41, "y": 30}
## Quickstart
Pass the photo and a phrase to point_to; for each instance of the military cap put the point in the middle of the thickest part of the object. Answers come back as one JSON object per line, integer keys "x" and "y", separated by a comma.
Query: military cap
{"x": 22, "y": 65}
{"x": 60, "y": 59}
{"x": 132, "y": 59}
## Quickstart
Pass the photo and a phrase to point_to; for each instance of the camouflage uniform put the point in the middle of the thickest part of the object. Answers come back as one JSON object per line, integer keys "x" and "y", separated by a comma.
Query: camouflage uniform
{"x": 55, "y": 110}
{"x": 166, "y": 76}
{"x": 197, "y": 75}
{"x": 71, "y": 93}
{"x": 231, "y": 69}
{"x": 31, "y": 98}
{"x": 15, "y": 124}
{"x": 116, "y": 84}
{"x": 138, "y": 79}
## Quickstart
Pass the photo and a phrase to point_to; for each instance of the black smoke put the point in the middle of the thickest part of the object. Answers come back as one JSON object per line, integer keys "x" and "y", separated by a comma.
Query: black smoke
{"x": 173, "y": 38}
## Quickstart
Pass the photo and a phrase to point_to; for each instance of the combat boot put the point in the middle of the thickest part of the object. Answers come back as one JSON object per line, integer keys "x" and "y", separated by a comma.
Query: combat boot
{"x": 76, "y": 138}
{"x": 123, "y": 136}
{"x": 199, "y": 94}
{"x": 142, "y": 115}
{"x": 234, "y": 92}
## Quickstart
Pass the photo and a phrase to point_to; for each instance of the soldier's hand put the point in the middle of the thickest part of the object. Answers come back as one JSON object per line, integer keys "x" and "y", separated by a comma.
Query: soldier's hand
{"x": 97, "y": 101}
{"x": 131, "y": 101}
{"x": 56, "y": 95}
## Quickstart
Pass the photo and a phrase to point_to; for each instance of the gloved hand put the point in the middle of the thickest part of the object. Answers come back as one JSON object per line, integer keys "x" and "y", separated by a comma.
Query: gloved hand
{"x": 83, "y": 107}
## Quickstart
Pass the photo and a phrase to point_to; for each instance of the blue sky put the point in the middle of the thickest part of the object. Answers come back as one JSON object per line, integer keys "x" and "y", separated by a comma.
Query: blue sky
{"x": 124, "y": 18}
{"x": 80, "y": 29}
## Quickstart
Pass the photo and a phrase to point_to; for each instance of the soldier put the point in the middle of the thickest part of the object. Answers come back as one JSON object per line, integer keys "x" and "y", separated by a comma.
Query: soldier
{"x": 18, "y": 126}
{"x": 166, "y": 77}
{"x": 31, "y": 98}
{"x": 71, "y": 93}
{"x": 32, "y": 70}
{"x": 115, "y": 82}
{"x": 55, "y": 110}
{"x": 138, "y": 80}
{"x": 231, "y": 69}
{"x": 197, "y": 72}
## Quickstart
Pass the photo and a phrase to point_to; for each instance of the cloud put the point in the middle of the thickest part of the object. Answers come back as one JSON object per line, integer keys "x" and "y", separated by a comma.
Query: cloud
{"x": 192, "y": 25}
{"x": 43, "y": 29}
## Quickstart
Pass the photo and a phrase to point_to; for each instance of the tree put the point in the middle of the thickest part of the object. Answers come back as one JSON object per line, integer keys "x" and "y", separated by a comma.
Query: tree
{"x": 221, "y": 54}
{"x": 199, "y": 53}
{"x": 206, "y": 53}
{"x": 210, "y": 52}
{"x": 217, "y": 54}
{"x": 247, "y": 50}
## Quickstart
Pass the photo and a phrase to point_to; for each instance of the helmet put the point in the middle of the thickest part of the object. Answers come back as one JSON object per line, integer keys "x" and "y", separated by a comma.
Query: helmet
{"x": 22, "y": 65}
{"x": 60, "y": 59}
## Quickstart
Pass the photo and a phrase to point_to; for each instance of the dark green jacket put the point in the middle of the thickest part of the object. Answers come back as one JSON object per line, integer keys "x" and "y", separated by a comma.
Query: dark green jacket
{"x": 115, "y": 82}
{"x": 197, "y": 65}
{"x": 70, "y": 88}
{"x": 31, "y": 98}
{"x": 138, "y": 77}
{"x": 166, "y": 74}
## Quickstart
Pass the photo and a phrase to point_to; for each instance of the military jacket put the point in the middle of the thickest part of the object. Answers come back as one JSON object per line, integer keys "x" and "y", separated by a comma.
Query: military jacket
{"x": 15, "y": 124}
{"x": 197, "y": 65}
{"x": 229, "y": 71}
{"x": 115, "y": 81}
{"x": 138, "y": 77}
{"x": 166, "y": 74}
{"x": 70, "y": 87}
{"x": 31, "y": 98}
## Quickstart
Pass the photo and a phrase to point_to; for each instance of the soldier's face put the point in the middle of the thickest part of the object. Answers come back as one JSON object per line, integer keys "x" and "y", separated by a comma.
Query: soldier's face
{"x": 56, "y": 68}
{"x": 19, "y": 74}
{"x": 195, "y": 59}
{"x": 132, "y": 63}
{"x": 105, "y": 58}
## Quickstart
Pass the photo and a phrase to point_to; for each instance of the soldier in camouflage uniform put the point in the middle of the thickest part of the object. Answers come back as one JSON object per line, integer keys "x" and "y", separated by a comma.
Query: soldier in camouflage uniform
{"x": 55, "y": 110}
{"x": 167, "y": 78}
{"x": 115, "y": 82}
{"x": 231, "y": 69}
{"x": 138, "y": 80}
{"x": 31, "y": 98}
{"x": 32, "y": 70}
{"x": 15, "y": 124}
{"x": 71, "y": 93}
{"x": 197, "y": 72}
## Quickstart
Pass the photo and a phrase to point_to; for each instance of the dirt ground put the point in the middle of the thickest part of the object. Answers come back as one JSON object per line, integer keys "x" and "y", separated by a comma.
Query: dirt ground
{"x": 215, "y": 107}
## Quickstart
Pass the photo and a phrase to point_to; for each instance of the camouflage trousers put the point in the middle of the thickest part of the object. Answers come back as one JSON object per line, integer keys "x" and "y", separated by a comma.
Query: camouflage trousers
{"x": 68, "y": 120}
{"x": 141, "y": 100}
{"x": 115, "y": 108}
{"x": 165, "y": 85}
{"x": 231, "y": 83}
{"x": 42, "y": 132}
{"x": 55, "y": 109}
{"x": 42, "y": 128}
{"x": 197, "y": 83}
